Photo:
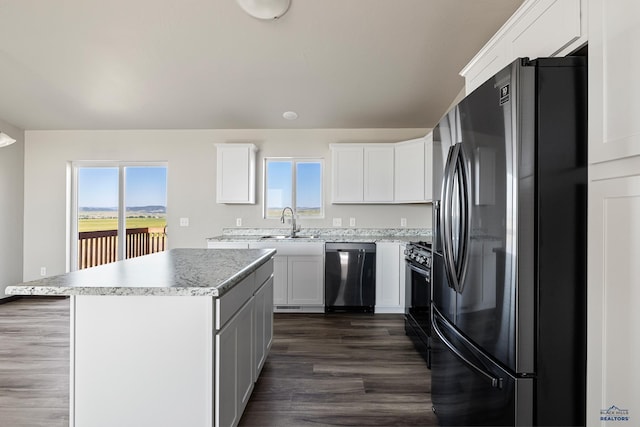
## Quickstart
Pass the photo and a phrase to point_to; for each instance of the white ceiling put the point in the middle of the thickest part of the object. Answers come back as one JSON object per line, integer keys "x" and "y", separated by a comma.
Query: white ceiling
{"x": 205, "y": 64}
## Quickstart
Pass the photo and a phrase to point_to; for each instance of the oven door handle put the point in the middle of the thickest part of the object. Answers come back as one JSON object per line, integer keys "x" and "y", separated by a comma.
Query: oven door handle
{"x": 418, "y": 269}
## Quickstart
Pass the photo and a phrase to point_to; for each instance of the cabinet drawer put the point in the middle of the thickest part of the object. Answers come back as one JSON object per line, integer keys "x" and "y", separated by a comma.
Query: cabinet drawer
{"x": 233, "y": 300}
{"x": 263, "y": 273}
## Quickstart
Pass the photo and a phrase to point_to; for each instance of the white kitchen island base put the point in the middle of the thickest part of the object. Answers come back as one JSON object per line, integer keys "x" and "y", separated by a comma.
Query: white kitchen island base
{"x": 176, "y": 339}
{"x": 159, "y": 361}
{"x": 139, "y": 360}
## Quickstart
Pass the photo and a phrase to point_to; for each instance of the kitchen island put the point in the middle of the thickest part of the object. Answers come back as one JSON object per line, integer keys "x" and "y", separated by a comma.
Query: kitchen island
{"x": 173, "y": 338}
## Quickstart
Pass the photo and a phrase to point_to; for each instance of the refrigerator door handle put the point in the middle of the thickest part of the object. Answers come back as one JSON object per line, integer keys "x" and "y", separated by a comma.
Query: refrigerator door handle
{"x": 446, "y": 217}
{"x": 465, "y": 237}
{"x": 456, "y": 170}
{"x": 494, "y": 381}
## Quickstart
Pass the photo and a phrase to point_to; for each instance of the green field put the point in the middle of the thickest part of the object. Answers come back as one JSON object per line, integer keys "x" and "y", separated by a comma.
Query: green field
{"x": 99, "y": 224}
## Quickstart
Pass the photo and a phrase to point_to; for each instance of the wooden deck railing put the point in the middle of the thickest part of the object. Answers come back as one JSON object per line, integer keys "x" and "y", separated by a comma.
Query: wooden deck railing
{"x": 101, "y": 247}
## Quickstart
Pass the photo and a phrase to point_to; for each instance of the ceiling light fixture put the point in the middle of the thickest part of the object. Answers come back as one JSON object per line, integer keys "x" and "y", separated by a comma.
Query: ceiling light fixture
{"x": 265, "y": 9}
{"x": 5, "y": 139}
{"x": 290, "y": 115}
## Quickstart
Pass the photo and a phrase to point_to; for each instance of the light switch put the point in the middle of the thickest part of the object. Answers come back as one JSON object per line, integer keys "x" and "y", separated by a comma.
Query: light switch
{"x": 337, "y": 222}
{"x": 184, "y": 222}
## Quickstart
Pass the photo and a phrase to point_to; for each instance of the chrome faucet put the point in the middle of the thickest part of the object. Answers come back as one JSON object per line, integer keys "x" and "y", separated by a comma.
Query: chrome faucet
{"x": 294, "y": 228}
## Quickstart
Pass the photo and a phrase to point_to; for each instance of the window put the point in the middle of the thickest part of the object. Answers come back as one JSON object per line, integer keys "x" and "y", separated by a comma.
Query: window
{"x": 296, "y": 183}
{"x": 118, "y": 212}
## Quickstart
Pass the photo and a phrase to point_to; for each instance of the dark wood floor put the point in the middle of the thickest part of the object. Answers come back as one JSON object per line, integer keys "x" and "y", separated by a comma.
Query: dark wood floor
{"x": 340, "y": 370}
{"x": 34, "y": 362}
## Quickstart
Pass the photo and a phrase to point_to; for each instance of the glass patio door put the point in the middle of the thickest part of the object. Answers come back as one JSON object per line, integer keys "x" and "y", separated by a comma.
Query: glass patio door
{"x": 118, "y": 212}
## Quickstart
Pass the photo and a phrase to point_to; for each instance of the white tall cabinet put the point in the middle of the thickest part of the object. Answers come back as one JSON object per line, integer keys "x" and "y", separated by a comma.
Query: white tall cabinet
{"x": 390, "y": 286}
{"x": 613, "y": 372}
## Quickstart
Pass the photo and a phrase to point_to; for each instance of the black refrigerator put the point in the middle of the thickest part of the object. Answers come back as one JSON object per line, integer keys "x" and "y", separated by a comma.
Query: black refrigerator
{"x": 509, "y": 251}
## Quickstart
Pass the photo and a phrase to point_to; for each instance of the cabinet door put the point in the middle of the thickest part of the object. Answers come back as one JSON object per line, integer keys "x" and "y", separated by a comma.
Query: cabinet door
{"x": 245, "y": 354}
{"x": 347, "y": 173}
{"x": 263, "y": 325}
{"x": 234, "y": 366}
{"x": 378, "y": 172}
{"x": 236, "y": 173}
{"x": 280, "y": 280}
{"x": 614, "y": 86}
{"x": 428, "y": 167}
{"x": 306, "y": 280}
{"x": 226, "y": 371}
{"x": 389, "y": 293}
{"x": 409, "y": 171}
{"x": 613, "y": 322}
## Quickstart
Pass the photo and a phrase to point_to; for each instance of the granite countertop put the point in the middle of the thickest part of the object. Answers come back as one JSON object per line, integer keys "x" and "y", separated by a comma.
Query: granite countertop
{"x": 323, "y": 235}
{"x": 179, "y": 272}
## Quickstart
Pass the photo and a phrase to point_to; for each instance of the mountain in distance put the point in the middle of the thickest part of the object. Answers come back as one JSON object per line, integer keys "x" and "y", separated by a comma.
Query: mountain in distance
{"x": 151, "y": 209}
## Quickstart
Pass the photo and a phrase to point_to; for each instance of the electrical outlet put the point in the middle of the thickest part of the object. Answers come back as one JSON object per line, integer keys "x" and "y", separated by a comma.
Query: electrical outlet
{"x": 337, "y": 222}
{"x": 184, "y": 222}
{"x": 403, "y": 222}
{"x": 43, "y": 271}
{"x": 238, "y": 222}
{"x": 352, "y": 222}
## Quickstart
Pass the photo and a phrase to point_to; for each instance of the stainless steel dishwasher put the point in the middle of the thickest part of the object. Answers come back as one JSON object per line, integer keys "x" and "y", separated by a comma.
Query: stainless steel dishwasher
{"x": 350, "y": 277}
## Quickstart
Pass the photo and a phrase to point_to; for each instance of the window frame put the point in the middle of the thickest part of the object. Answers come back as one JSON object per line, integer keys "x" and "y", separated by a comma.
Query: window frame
{"x": 72, "y": 191}
{"x": 294, "y": 161}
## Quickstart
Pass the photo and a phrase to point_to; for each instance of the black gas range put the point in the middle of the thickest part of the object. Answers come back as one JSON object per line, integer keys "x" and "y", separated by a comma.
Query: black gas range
{"x": 418, "y": 258}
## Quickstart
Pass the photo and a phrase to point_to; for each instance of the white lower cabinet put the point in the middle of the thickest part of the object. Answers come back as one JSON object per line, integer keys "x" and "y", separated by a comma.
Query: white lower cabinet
{"x": 234, "y": 366}
{"x": 280, "y": 280}
{"x": 306, "y": 280}
{"x": 262, "y": 325}
{"x": 298, "y": 275}
{"x": 389, "y": 278}
{"x": 613, "y": 325}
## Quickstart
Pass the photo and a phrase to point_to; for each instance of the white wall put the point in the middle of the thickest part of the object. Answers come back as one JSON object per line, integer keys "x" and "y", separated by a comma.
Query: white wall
{"x": 11, "y": 207}
{"x": 191, "y": 158}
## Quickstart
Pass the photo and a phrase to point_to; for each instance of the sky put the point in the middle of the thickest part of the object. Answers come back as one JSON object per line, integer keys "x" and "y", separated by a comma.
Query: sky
{"x": 145, "y": 185}
{"x": 308, "y": 184}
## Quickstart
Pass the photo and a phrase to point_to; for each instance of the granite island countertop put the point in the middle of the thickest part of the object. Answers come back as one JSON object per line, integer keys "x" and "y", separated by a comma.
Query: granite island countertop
{"x": 177, "y": 272}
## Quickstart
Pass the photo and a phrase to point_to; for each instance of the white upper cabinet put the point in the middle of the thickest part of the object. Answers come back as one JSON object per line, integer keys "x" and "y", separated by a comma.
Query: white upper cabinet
{"x": 428, "y": 167}
{"x": 539, "y": 28}
{"x": 236, "y": 173}
{"x": 382, "y": 173}
{"x": 410, "y": 171}
{"x": 347, "y": 165}
{"x": 378, "y": 173}
{"x": 614, "y": 87}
